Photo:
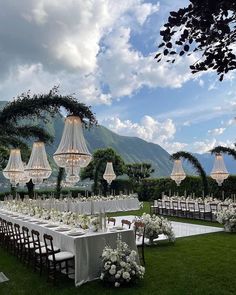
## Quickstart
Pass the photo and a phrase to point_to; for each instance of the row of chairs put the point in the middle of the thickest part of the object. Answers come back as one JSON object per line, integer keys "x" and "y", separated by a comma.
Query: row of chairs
{"x": 28, "y": 248}
{"x": 195, "y": 210}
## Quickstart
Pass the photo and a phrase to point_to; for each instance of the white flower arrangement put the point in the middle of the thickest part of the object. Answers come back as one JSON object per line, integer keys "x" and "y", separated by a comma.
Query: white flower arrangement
{"x": 227, "y": 217}
{"x": 155, "y": 226}
{"x": 95, "y": 223}
{"x": 120, "y": 265}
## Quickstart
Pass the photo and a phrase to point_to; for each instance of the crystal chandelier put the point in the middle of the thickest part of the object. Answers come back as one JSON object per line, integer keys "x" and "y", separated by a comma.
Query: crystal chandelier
{"x": 72, "y": 175}
{"x": 178, "y": 173}
{"x": 219, "y": 171}
{"x": 109, "y": 174}
{"x": 38, "y": 167}
{"x": 72, "y": 151}
{"x": 24, "y": 178}
{"x": 15, "y": 168}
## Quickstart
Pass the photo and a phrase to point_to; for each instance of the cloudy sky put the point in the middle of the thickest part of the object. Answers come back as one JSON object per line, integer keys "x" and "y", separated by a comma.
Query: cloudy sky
{"x": 103, "y": 51}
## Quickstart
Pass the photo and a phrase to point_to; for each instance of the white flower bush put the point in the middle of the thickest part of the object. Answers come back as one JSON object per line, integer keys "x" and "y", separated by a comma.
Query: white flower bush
{"x": 227, "y": 217}
{"x": 155, "y": 226}
{"x": 120, "y": 265}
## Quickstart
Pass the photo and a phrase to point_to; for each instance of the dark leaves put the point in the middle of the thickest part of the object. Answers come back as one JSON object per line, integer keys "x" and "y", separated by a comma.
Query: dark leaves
{"x": 186, "y": 47}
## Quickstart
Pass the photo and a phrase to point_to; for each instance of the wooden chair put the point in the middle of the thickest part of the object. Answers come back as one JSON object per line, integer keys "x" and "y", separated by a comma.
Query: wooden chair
{"x": 154, "y": 209}
{"x": 28, "y": 246}
{"x": 184, "y": 209}
{"x": 127, "y": 222}
{"x": 139, "y": 232}
{"x": 193, "y": 210}
{"x": 168, "y": 210}
{"x": 213, "y": 209}
{"x": 203, "y": 212}
{"x": 112, "y": 220}
{"x": 19, "y": 242}
{"x": 56, "y": 261}
{"x": 160, "y": 207}
{"x": 175, "y": 208}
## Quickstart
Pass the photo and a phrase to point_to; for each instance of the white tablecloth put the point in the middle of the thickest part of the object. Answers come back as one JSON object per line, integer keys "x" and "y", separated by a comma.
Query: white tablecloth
{"x": 87, "y": 248}
{"x": 94, "y": 207}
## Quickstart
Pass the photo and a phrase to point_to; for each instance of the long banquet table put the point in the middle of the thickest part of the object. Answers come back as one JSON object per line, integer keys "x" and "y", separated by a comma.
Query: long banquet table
{"x": 95, "y": 206}
{"x": 86, "y": 248}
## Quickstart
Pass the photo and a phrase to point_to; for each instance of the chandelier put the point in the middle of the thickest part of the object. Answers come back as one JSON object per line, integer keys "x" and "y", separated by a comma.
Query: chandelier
{"x": 38, "y": 167}
{"x": 109, "y": 174}
{"x": 219, "y": 171}
{"x": 72, "y": 175}
{"x": 24, "y": 178}
{"x": 72, "y": 151}
{"x": 178, "y": 173}
{"x": 15, "y": 168}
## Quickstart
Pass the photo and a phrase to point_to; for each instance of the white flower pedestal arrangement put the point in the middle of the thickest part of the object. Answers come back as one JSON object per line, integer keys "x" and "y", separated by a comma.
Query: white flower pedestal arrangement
{"x": 120, "y": 266}
{"x": 155, "y": 226}
{"x": 227, "y": 217}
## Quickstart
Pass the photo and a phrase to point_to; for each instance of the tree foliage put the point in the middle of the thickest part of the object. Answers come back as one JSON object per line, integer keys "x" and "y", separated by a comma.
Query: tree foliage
{"x": 196, "y": 165}
{"x": 224, "y": 150}
{"x": 139, "y": 171}
{"x": 96, "y": 167}
{"x": 206, "y": 28}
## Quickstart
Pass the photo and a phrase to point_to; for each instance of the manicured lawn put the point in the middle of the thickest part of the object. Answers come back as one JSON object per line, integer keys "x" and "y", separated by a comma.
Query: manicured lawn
{"x": 204, "y": 265}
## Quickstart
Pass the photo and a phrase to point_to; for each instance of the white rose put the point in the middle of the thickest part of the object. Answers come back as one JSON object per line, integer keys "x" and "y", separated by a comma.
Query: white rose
{"x": 126, "y": 275}
{"x": 117, "y": 276}
{"x": 117, "y": 284}
{"x": 113, "y": 258}
{"x": 112, "y": 271}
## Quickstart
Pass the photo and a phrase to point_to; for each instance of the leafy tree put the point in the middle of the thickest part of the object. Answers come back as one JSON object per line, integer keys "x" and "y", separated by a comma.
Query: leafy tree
{"x": 196, "y": 165}
{"x": 17, "y": 116}
{"x": 97, "y": 166}
{"x": 60, "y": 175}
{"x": 204, "y": 27}
{"x": 139, "y": 171}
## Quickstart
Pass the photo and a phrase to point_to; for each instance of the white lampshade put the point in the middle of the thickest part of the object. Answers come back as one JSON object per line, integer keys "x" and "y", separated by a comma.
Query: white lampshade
{"x": 109, "y": 174}
{"x": 219, "y": 171}
{"x": 38, "y": 167}
{"x": 72, "y": 150}
{"x": 178, "y": 173}
{"x": 15, "y": 168}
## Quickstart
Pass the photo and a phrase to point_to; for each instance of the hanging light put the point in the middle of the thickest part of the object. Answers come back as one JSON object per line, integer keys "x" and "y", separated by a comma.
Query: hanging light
{"x": 72, "y": 150}
{"x": 219, "y": 171}
{"x": 109, "y": 174}
{"x": 178, "y": 173}
{"x": 38, "y": 167}
{"x": 24, "y": 178}
{"x": 72, "y": 175}
{"x": 15, "y": 168}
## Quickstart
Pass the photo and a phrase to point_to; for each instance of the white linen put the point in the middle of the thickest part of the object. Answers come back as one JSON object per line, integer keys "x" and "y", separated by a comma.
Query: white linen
{"x": 86, "y": 248}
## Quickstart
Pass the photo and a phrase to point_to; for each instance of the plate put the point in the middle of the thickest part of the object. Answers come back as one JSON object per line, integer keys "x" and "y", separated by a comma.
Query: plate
{"x": 75, "y": 234}
{"x": 40, "y": 222}
{"x": 60, "y": 229}
{"x": 118, "y": 228}
{"x": 51, "y": 225}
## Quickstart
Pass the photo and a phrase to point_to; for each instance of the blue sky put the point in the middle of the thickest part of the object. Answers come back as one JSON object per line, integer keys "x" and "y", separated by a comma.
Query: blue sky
{"x": 103, "y": 51}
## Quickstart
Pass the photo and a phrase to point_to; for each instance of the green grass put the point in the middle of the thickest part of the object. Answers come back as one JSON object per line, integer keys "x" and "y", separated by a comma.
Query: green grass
{"x": 198, "y": 265}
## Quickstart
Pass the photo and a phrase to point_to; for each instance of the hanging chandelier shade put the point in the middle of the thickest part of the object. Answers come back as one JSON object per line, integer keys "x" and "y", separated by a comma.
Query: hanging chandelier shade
{"x": 219, "y": 171}
{"x": 178, "y": 173}
{"x": 24, "y": 178}
{"x": 15, "y": 168}
{"x": 38, "y": 167}
{"x": 109, "y": 174}
{"x": 72, "y": 150}
{"x": 72, "y": 174}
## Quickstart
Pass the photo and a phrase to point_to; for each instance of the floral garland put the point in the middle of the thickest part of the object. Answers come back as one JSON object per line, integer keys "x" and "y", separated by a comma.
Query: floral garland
{"x": 120, "y": 265}
{"x": 227, "y": 217}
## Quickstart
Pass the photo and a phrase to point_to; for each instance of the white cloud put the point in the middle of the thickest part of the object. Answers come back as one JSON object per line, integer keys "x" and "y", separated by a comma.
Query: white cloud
{"x": 216, "y": 131}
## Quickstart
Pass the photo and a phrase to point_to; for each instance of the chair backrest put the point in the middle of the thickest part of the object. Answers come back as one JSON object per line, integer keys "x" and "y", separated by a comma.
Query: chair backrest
{"x": 201, "y": 207}
{"x": 127, "y": 222}
{"x": 48, "y": 240}
{"x": 213, "y": 207}
{"x": 10, "y": 230}
{"x": 167, "y": 204}
{"x": 17, "y": 233}
{"x": 183, "y": 205}
{"x": 26, "y": 236}
{"x": 139, "y": 230}
{"x": 160, "y": 204}
{"x": 112, "y": 220}
{"x": 191, "y": 206}
{"x": 36, "y": 240}
{"x": 175, "y": 205}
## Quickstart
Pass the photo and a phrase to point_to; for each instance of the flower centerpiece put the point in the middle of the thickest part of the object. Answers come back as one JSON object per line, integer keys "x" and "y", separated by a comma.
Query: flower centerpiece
{"x": 155, "y": 226}
{"x": 227, "y": 217}
{"x": 95, "y": 224}
{"x": 120, "y": 265}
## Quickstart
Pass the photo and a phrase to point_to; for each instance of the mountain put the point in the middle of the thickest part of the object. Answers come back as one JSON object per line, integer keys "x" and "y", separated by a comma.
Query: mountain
{"x": 131, "y": 149}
